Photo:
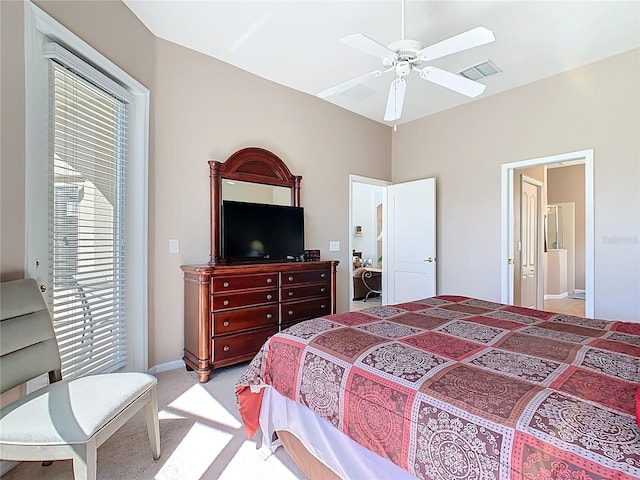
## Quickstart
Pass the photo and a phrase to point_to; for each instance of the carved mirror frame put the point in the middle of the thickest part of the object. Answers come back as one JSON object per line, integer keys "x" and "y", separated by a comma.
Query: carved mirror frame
{"x": 252, "y": 165}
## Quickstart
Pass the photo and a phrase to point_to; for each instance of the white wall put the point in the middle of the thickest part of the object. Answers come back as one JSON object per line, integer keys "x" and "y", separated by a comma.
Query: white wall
{"x": 365, "y": 200}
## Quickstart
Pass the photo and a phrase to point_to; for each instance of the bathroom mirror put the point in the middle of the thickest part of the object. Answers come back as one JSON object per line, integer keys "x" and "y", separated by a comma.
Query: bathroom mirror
{"x": 554, "y": 227}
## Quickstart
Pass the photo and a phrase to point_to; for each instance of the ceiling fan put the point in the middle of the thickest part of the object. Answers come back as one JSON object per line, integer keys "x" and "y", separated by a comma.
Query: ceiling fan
{"x": 404, "y": 56}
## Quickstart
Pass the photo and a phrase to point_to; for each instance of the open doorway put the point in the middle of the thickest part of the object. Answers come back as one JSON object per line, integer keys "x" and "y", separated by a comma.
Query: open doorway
{"x": 511, "y": 273}
{"x": 402, "y": 250}
{"x": 366, "y": 206}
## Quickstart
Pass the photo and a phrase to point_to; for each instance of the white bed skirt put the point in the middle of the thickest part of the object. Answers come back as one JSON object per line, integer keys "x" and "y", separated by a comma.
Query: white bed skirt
{"x": 346, "y": 458}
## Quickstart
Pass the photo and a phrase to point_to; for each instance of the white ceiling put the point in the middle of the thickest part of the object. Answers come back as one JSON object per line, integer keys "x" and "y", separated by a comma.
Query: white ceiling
{"x": 297, "y": 43}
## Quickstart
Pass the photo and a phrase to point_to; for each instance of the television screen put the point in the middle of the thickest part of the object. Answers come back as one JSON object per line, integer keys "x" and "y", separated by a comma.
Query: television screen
{"x": 261, "y": 231}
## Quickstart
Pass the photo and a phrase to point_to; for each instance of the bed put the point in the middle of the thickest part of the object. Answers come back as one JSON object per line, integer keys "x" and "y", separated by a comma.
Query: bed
{"x": 450, "y": 387}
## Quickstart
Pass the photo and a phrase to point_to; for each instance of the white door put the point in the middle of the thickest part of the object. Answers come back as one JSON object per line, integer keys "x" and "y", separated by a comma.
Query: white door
{"x": 409, "y": 261}
{"x": 529, "y": 238}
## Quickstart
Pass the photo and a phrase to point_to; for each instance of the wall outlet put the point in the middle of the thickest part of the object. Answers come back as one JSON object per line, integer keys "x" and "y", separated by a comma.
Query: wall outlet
{"x": 174, "y": 246}
{"x": 334, "y": 246}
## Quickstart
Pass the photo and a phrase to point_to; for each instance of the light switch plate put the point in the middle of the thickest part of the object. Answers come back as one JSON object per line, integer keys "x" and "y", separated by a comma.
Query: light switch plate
{"x": 174, "y": 246}
{"x": 334, "y": 246}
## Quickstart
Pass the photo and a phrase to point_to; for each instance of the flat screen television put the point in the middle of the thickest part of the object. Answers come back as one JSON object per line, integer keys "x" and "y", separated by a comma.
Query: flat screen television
{"x": 261, "y": 232}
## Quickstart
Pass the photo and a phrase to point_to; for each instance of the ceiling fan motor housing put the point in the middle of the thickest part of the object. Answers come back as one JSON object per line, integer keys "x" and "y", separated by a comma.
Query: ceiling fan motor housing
{"x": 406, "y": 49}
{"x": 403, "y": 68}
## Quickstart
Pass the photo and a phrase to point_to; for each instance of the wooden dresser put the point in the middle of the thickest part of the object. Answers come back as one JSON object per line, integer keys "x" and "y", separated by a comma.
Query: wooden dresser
{"x": 231, "y": 310}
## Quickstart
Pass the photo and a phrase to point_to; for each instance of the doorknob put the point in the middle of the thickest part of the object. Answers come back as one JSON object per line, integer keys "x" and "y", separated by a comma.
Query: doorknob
{"x": 43, "y": 288}
{"x": 430, "y": 259}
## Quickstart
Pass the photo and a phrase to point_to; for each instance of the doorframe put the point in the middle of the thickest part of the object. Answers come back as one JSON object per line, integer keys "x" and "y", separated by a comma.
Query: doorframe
{"x": 38, "y": 23}
{"x": 507, "y": 234}
{"x": 374, "y": 182}
{"x": 539, "y": 244}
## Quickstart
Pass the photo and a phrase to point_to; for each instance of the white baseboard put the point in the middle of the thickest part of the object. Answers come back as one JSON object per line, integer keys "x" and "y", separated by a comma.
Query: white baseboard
{"x": 165, "y": 367}
{"x": 579, "y": 290}
{"x": 6, "y": 465}
{"x": 556, "y": 297}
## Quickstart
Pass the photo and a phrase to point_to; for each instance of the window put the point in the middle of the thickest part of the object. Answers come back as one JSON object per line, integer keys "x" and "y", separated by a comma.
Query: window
{"x": 87, "y": 165}
{"x": 86, "y": 198}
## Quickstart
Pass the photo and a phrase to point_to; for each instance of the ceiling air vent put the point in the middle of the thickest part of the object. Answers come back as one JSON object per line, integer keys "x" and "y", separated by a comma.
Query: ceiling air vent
{"x": 481, "y": 70}
{"x": 359, "y": 93}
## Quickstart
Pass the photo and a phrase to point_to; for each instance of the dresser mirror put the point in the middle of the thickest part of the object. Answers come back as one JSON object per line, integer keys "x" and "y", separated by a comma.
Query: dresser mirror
{"x": 249, "y": 175}
{"x": 256, "y": 193}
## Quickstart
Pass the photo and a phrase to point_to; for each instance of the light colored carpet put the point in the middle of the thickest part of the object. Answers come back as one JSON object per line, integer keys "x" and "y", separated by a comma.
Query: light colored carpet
{"x": 201, "y": 437}
{"x": 357, "y": 305}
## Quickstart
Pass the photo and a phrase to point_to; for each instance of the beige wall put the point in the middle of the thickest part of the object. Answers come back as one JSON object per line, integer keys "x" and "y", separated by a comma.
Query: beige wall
{"x": 12, "y": 142}
{"x": 204, "y": 109}
{"x": 207, "y": 109}
{"x": 566, "y": 184}
{"x": 597, "y": 106}
{"x": 201, "y": 109}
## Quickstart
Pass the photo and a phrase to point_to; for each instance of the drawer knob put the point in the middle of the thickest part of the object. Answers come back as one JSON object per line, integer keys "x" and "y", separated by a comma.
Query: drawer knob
{"x": 226, "y": 302}
{"x": 290, "y": 312}
{"x": 323, "y": 306}
{"x": 269, "y": 297}
{"x": 322, "y": 290}
{"x": 322, "y": 275}
{"x": 291, "y": 294}
{"x": 269, "y": 316}
{"x": 226, "y": 323}
{"x": 226, "y": 348}
{"x": 269, "y": 280}
{"x": 290, "y": 278}
{"x": 225, "y": 284}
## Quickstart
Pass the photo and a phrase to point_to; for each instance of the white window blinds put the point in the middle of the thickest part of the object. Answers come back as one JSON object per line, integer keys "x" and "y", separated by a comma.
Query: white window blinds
{"x": 86, "y": 222}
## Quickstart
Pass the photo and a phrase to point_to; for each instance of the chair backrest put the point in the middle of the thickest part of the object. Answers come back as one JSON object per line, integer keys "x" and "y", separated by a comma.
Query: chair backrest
{"x": 28, "y": 346}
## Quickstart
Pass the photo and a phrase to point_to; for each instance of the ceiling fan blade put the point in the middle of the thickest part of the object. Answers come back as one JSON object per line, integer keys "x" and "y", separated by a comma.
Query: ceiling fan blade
{"x": 452, "y": 81}
{"x": 395, "y": 99}
{"x": 463, "y": 41}
{"x": 341, "y": 87}
{"x": 364, "y": 43}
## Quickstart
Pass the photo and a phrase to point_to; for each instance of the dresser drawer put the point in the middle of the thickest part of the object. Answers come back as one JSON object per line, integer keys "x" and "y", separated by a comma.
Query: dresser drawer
{"x": 304, "y": 310}
{"x": 306, "y": 291}
{"x": 244, "y": 319}
{"x": 242, "y": 345}
{"x": 292, "y": 278}
{"x": 229, "y": 283}
{"x": 224, "y": 300}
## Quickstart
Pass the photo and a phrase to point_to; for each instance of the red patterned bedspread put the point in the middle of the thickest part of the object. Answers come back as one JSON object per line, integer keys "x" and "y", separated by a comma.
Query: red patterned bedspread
{"x": 453, "y": 387}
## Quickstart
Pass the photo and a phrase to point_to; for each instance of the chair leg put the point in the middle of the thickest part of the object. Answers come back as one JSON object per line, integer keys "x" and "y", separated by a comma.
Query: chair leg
{"x": 153, "y": 426}
{"x": 85, "y": 460}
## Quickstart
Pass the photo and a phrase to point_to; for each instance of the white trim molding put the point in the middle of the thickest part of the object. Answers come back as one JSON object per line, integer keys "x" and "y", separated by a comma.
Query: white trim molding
{"x": 585, "y": 157}
{"x": 41, "y": 28}
{"x": 167, "y": 366}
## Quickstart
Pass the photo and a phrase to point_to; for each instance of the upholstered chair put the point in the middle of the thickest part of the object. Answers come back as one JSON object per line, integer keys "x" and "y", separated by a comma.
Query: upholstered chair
{"x": 65, "y": 419}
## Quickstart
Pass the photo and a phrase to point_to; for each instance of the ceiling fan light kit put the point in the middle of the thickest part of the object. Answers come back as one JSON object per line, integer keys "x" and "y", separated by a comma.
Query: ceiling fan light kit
{"x": 405, "y": 55}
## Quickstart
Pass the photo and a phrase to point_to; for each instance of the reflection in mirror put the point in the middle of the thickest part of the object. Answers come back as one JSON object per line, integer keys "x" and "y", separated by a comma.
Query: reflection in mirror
{"x": 256, "y": 193}
{"x": 555, "y": 227}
